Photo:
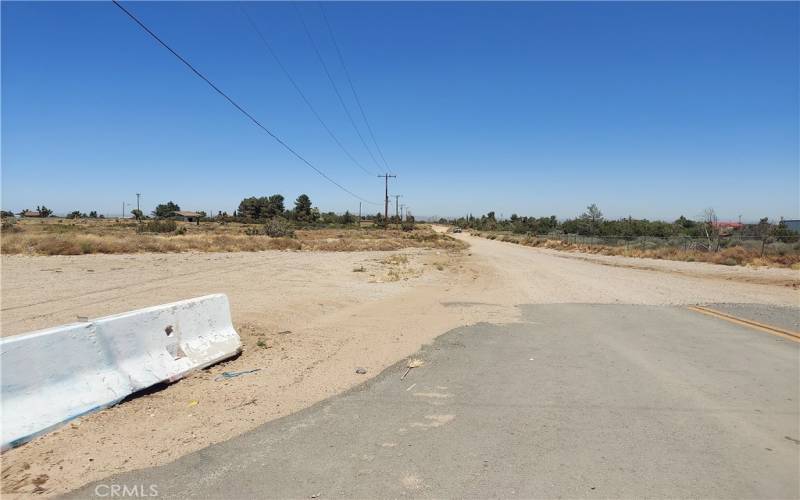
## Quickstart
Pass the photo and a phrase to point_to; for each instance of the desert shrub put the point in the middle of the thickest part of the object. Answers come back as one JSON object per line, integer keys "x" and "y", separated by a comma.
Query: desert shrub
{"x": 278, "y": 227}
{"x": 157, "y": 226}
{"x": 9, "y": 225}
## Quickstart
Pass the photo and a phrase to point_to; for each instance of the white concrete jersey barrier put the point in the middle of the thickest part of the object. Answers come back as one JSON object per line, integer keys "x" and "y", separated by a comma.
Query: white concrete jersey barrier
{"x": 52, "y": 376}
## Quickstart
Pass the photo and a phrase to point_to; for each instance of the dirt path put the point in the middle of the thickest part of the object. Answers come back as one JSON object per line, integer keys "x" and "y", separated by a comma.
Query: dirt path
{"x": 536, "y": 276}
{"x": 337, "y": 320}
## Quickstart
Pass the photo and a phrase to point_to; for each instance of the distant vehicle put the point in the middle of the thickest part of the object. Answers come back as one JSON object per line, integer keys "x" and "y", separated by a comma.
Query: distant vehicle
{"x": 456, "y": 229}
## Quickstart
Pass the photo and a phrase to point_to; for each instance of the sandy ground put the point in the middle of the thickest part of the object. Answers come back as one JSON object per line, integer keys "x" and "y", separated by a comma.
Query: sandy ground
{"x": 317, "y": 321}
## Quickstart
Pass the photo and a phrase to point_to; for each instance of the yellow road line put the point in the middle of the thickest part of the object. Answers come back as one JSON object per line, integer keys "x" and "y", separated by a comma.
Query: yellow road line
{"x": 774, "y": 330}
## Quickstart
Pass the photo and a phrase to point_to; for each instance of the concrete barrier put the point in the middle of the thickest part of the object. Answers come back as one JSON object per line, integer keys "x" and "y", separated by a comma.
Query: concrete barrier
{"x": 52, "y": 376}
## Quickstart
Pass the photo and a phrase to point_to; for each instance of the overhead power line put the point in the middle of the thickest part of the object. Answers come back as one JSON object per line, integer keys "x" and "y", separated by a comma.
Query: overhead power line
{"x": 333, "y": 84}
{"x": 235, "y": 104}
{"x": 298, "y": 89}
{"x": 352, "y": 87}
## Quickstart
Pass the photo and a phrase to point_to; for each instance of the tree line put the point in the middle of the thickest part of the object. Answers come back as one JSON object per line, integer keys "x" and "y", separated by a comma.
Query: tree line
{"x": 592, "y": 223}
{"x": 251, "y": 210}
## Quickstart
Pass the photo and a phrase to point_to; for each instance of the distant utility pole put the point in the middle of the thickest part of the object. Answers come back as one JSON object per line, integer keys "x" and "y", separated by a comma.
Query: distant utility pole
{"x": 137, "y": 201}
{"x": 396, "y": 206}
{"x": 386, "y": 196}
{"x": 123, "y": 209}
{"x": 359, "y": 211}
{"x": 402, "y": 206}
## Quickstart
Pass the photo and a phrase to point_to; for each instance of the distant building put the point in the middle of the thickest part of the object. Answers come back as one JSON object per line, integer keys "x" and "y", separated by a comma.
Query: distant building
{"x": 792, "y": 225}
{"x": 30, "y": 213}
{"x": 186, "y": 216}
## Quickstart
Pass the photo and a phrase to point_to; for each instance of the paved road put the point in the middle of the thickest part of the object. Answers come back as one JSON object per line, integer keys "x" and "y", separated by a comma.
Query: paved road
{"x": 573, "y": 400}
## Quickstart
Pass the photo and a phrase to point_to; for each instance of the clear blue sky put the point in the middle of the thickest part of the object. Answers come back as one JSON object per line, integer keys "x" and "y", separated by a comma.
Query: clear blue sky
{"x": 647, "y": 109}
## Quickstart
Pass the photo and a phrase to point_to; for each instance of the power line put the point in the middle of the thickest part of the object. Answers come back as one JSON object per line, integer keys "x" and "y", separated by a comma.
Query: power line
{"x": 236, "y": 105}
{"x": 352, "y": 87}
{"x": 297, "y": 88}
{"x": 333, "y": 84}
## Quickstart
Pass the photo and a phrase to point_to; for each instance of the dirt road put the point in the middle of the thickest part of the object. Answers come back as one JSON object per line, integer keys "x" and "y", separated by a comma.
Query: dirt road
{"x": 308, "y": 320}
{"x": 539, "y": 276}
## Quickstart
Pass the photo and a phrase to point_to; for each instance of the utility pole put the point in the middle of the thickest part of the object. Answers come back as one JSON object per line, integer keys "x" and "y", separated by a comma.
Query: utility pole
{"x": 123, "y": 209}
{"x": 359, "y": 211}
{"x": 137, "y": 200}
{"x": 396, "y": 207}
{"x": 402, "y": 206}
{"x": 386, "y": 197}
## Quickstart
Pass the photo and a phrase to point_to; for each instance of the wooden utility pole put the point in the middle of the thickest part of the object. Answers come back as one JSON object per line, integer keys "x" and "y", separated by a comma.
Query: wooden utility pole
{"x": 386, "y": 197}
{"x": 402, "y": 206}
{"x": 396, "y": 206}
{"x": 359, "y": 212}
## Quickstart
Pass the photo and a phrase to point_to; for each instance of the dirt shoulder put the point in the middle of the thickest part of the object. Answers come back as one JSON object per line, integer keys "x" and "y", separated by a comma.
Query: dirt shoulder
{"x": 307, "y": 321}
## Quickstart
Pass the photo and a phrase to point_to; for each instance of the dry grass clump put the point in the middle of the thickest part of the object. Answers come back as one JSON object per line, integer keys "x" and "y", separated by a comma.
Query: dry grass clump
{"x": 395, "y": 260}
{"x": 78, "y": 244}
{"x": 352, "y": 240}
{"x": 60, "y": 237}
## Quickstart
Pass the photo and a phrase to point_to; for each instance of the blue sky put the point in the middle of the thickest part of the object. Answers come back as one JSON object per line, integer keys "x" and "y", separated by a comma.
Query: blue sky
{"x": 647, "y": 109}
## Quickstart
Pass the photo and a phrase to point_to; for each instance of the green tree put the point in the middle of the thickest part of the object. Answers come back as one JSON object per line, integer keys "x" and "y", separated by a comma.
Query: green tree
{"x": 685, "y": 223}
{"x": 591, "y": 219}
{"x": 93, "y": 214}
{"x": 166, "y": 209}
{"x": 264, "y": 207}
{"x": 44, "y": 211}
{"x": 274, "y": 206}
{"x": 302, "y": 208}
{"x": 137, "y": 214}
{"x": 75, "y": 214}
{"x": 782, "y": 233}
{"x": 249, "y": 208}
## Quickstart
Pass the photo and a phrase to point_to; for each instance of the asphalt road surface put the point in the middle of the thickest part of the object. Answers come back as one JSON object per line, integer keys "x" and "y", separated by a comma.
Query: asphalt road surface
{"x": 573, "y": 400}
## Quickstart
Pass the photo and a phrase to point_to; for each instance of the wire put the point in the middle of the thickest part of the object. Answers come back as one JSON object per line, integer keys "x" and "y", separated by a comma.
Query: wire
{"x": 237, "y": 106}
{"x": 333, "y": 84}
{"x": 297, "y": 88}
{"x": 352, "y": 87}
